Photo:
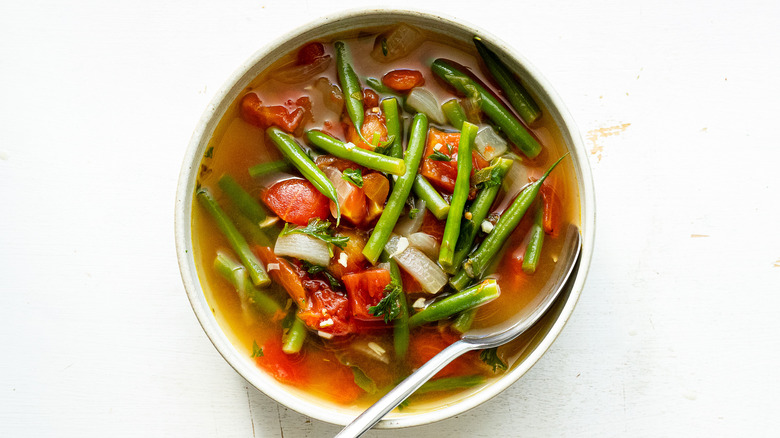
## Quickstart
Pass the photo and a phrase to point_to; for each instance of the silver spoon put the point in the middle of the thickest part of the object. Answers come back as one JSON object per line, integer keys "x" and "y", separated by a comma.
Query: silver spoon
{"x": 473, "y": 340}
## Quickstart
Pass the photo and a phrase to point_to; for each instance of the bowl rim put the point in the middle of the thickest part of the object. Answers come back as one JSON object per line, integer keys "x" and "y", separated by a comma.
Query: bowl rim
{"x": 185, "y": 195}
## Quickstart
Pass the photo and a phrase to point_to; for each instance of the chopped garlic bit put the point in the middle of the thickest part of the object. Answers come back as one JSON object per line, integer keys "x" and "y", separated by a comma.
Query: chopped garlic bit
{"x": 326, "y": 323}
{"x": 375, "y": 110}
{"x": 343, "y": 259}
{"x": 437, "y": 147}
{"x": 403, "y": 243}
{"x": 468, "y": 215}
{"x": 269, "y": 220}
{"x": 555, "y": 259}
{"x": 419, "y": 304}
{"x": 487, "y": 227}
{"x": 349, "y": 145}
{"x": 273, "y": 267}
{"x": 376, "y": 348}
{"x": 324, "y": 335}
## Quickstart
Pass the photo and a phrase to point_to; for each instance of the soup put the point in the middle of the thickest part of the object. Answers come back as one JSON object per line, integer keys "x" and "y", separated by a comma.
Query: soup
{"x": 341, "y": 238}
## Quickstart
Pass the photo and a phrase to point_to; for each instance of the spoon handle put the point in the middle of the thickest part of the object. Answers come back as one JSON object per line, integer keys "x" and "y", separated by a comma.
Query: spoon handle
{"x": 372, "y": 415}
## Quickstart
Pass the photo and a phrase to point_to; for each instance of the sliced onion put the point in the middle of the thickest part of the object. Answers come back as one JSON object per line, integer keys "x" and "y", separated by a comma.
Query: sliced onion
{"x": 304, "y": 247}
{"x": 425, "y": 243}
{"x": 425, "y": 102}
{"x": 417, "y": 264}
{"x": 407, "y": 225}
{"x": 331, "y": 95}
{"x": 398, "y": 42}
{"x": 514, "y": 182}
{"x": 489, "y": 143}
{"x": 293, "y": 73}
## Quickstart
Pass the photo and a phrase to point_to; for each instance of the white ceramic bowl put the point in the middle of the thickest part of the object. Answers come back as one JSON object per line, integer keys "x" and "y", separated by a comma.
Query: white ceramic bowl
{"x": 549, "y": 327}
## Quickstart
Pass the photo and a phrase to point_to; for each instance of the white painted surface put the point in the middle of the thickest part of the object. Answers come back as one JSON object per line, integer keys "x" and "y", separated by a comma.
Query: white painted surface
{"x": 677, "y": 329}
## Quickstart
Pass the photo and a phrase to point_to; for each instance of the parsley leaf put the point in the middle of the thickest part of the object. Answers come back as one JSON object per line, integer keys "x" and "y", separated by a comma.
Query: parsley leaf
{"x": 413, "y": 213}
{"x": 384, "y": 46}
{"x": 355, "y": 176}
{"x": 389, "y": 307}
{"x": 363, "y": 381}
{"x": 490, "y": 357}
{"x": 316, "y": 269}
{"x": 487, "y": 177}
{"x": 439, "y": 156}
{"x": 319, "y": 229}
{"x": 256, "y": 351}
{"x": 209, "y": 152}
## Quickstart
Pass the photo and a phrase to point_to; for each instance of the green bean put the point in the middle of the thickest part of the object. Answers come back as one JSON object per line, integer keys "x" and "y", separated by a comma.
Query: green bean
{"x": 393, "y": 124}
{"x": 350, "y": 87}
{"x": 433, "y": 199}
{"x": 494, "y": 109}
{"x": 454, "y": 112}
{"x": 234, "y": 238}
{"x": 519, "y": 98}
{"x": 235, "y": 273}
{"x": 458, "y": 302}
{"x": 459, "y": 196}
{"x": 292, "y": 339}
{"x": 450, "y": 383}
{"x": 534, "y": 248}
{"x": 463, "y": 321}
{"x": 401, "y": 189}
{"x": 401, "y": 323}
{"x": 270, "y": 167}
{"x": 250, "y": 230}
{"x": 245, "y": 202}
{"x": 475, "y": 265}
{"x": 479, "y": 209}
{"x": 358, "y": 155}
{"x": 292, "y": 150}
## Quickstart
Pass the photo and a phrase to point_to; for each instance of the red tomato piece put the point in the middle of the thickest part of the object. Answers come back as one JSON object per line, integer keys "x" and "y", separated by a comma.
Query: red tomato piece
{"x": 370, "y": 98}
{"x": 327, "y": 310}
{"x": 373, "y": 125}
{"x": 366, "y": 289}
{"x": 376, "y": 188}
{"x": 433, "y": 226}
{"x": 340, "y": 384}
{"x": 443, "y": 174}
{"x": 287, "y": 275}
{"x": 403, "y": 80}
{"x": 286, "y": 368}
{"x": 551, "y": 214}
{"x": 296, "y": 201}
{"x": 310, "y": 53}
{"x": 253, "y": 111}
{"x": 356, "y": 261}
{"x": 428, "y": 342}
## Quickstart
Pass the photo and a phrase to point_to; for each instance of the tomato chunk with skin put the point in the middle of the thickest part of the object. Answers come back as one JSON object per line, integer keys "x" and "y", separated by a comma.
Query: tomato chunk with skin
{"x": 327, "y": 310}
{"x": 370, "y": 98}
{"x": 403, "y": 80}
{"x": 286, "y": 368}
{"x": 296, "y": 201}
{"x": 443, "y": 174}
{"x": 310, "y": 53}
{"x": 427, "y": 342}
{"x": 551, "y": 210}
{"x": 283, "y": 273}
{"x": 376, "y": 188}
{"x": 253, "y": 111}
{"x": 373, "y": 126}
{"x": 366, "y": 289}
{"x": 352, "y": 259}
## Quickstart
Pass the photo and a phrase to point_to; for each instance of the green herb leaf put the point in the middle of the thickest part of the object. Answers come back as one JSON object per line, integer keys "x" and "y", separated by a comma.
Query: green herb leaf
{"x": 439, "y": 156}
{"x": 487, "y": 177}
{"x": 384, "y": 46}
{"x": 363, "y": 381}
{"x": 316, "y": 269}
{"x": 209, "y": 152}
{"x": 389, "y": 307}
{"x": 355, "y": 176}
{"x": 490, "y": 357}
{"x": 256, "y": 350}
{"x": 413, "y": 213}
{"x": 319, "y": 229}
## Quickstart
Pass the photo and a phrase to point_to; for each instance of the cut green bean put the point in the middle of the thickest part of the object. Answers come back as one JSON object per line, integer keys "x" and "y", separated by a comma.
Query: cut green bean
{"x": 480, "y": 208}
{"x": 519, "y": 98}
{"x": 358, "y": 155}
{"x": 292, "y": 150}
{"x": 401, "y": 189}
{"x": 454, "y": 112}
{"x": 245, "y": 202}
{"x": 464, "y": 320}
{"x": 350, "y": 87}
{"x": 401, "y": 323}
{"x": 534, "y": 248}
{"x": 500, "y": 115}
{"x": 451, "y": 383}
{"x": 393, "y": 124}
{"x": 253, "y": 234}
{"x": 292, "y": 339}
{"x": 459, "y": 196}
{"x": 474, "y": 267}
{"x": 270, "y": 167}
{"x": 458, "y": 302}
{"x": 433, "y": 199}
{"x": 236, "y": 274}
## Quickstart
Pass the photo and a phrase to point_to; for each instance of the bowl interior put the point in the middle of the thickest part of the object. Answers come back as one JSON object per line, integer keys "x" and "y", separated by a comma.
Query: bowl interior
{"x": 538, "y": 339}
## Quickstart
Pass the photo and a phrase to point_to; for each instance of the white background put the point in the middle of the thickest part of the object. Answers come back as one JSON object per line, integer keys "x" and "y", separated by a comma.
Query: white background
{"x": 676, "y": 332}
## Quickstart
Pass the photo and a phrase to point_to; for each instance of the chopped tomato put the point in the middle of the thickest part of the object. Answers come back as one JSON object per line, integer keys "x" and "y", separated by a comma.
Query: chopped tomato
{"x": 352, "y": 201}
{"x": 366, "y": 289}
{"x": 551, "y": 215}
{"x": 341, "y": 164}
{"x": 296, "y": 201}
{"x": 310, "y": 53}
{"x": 353, "y": 251}
{"x": 443, "y": 174}
{"x": 376, "y": 188}
{"x": 411, "y": 285}
{"x": 373, "y": 126}
{"x": 340, "y": 384}
{"x": 427, "y": 342}
{"x": 326, "y": 310}
{"x": 432, "y": 226}
{"x": 403, "y": 80}
{"x": 253, "y": 111}
{"x": 370, "y": 98}
{"x": 283, "y": 273}
{"x": 286, "y": 368}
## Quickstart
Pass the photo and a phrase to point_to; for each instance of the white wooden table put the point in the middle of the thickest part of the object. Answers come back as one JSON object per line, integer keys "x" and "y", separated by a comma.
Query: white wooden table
{"x": 676, "y": 333}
